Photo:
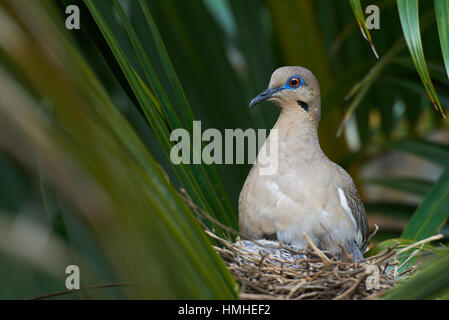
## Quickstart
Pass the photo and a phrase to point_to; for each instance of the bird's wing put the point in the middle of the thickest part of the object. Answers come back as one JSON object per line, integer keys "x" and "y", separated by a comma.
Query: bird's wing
{"x": 356, "y": 206}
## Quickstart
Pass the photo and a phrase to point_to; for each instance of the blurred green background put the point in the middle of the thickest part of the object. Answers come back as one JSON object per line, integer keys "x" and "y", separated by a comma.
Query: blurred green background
{"x": 86, "y": 116}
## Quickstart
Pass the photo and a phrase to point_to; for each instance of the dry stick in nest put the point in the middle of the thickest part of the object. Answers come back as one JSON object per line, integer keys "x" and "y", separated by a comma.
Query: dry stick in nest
{"x": 352, "y": 288}
{"x": 319, "y": 253}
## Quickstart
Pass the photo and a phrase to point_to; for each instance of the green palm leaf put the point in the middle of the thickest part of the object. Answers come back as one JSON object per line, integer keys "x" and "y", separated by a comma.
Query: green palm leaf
{"x": 409, "y": 16}
{"x": 360, "y": 18}
{"x": 418, "y": 187}
{"x": 163, "y": 119}
{"x": 432, "y": 282}
{"x": 442, "y": 14}
{"x": 96, "y": 161}
{"x": 435, "y": 152}
{"x": 432, "y": 213}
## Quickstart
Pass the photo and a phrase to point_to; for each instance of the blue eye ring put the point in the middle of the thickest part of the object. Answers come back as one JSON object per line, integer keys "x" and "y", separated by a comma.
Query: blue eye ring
{"x": 294, "y": 82}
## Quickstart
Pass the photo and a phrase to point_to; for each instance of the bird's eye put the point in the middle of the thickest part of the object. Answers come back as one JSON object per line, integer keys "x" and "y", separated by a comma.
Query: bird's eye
{"x": 294, "y": 82}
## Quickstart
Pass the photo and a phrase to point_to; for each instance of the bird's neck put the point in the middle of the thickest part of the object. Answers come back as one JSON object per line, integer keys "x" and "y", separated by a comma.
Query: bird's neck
{"x": 298, "y": 135}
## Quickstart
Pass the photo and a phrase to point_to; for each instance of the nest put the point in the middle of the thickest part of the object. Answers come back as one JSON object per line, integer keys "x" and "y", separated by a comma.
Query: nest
{"x": 271, "y": 270}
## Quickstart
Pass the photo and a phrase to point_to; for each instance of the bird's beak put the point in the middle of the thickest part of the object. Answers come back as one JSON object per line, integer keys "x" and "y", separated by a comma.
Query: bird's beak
{"x": 265, "y": 95}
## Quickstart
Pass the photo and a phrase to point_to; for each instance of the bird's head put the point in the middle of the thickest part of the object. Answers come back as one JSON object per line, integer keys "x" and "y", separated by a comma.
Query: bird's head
{"x": 293, "y": 89}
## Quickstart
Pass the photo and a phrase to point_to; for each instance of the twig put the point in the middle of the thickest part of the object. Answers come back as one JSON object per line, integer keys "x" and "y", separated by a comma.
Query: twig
{"x": 64, "y": 292}
{"x": 206, "y": 215}
{"x": 376, "y": 228}
{"x": 320, "y": 254}
{"x": 422, "y": 242}
{"x": 252, "y": 296}
{"x": 414, "y": 254}
{"x": 352, "y": 288}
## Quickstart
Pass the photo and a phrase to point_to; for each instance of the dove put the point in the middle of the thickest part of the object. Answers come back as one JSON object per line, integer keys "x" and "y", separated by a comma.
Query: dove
{"x": 308, "y": 194}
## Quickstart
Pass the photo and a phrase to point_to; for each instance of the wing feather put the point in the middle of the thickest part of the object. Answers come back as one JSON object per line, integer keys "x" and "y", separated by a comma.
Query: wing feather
{"x": 356, "y": 206}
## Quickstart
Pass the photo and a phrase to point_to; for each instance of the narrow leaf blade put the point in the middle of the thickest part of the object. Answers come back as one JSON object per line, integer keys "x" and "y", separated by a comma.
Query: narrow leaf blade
{"x": 409, "y": 16}
{"x": 442, "y": 14}
{"x": 432, "y": 212}
{"x": 360, "y": 18}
